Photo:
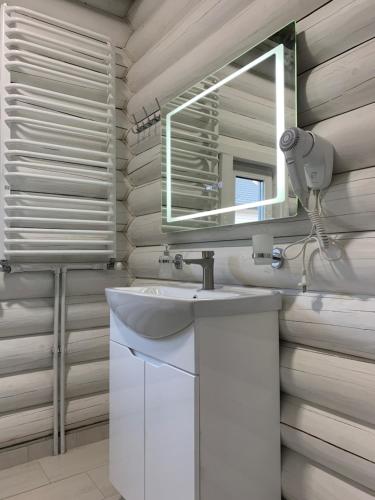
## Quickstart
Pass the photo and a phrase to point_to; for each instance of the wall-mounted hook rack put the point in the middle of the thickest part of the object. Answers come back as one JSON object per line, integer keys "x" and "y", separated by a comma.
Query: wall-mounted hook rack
{"x": 148, "y": 121}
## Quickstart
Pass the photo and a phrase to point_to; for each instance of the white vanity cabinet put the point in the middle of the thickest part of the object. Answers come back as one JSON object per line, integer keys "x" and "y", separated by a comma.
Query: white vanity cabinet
{"x": 194, "y": 415}
{"x": 154, "y": 425}
{"x": 127, "y": 411}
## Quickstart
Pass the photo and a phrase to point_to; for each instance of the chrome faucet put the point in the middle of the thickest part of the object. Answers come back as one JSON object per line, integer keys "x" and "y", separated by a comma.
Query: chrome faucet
{"x": 207, "y": 262}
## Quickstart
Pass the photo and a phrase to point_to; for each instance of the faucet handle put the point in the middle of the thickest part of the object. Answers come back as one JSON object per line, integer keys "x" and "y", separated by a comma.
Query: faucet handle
{"x": 208, "y": 254}
{"x": 165, "y": 258}
{"x": 178, "y": 261}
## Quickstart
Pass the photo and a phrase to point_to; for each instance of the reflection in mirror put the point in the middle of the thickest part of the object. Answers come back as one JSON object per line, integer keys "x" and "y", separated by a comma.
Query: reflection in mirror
{"x": 221, "y": 161}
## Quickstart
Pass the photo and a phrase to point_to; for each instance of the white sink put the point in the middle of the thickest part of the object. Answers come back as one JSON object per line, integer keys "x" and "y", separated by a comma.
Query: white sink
{"x": 161, "y": 311}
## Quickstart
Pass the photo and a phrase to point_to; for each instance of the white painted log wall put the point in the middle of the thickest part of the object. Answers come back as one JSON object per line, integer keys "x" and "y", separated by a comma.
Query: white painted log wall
{"x": 328, "y": 334}
{"x": 26, "y": 298}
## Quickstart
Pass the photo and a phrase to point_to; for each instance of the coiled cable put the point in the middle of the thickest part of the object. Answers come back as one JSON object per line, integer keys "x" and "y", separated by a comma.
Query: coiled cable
{"x": 317, "y": 234}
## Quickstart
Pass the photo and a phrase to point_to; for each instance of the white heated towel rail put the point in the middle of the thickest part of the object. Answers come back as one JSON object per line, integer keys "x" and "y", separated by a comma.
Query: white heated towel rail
{"x": 57, "y": 141}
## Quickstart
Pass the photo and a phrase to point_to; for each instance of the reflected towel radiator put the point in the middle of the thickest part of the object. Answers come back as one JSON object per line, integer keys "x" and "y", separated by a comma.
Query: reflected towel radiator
{"x": 57, "y": 144}
{"x": 195, "y": 157}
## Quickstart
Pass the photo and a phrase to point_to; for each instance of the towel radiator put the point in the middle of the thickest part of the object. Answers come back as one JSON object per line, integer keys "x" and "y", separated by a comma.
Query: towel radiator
{"x": 57, "y": 141}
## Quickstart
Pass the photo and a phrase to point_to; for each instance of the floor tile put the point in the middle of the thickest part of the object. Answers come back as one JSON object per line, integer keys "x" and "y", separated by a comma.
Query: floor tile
{"x": 115, "y": 497}
{"x": 78, "y": 460}
{"x": 101, "y": 479}
{"x": 78, "y": 487}
{"x": 21, "y": 478}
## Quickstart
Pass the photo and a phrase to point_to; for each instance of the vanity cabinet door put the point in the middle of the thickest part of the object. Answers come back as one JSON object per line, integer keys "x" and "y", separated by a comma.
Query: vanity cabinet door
{"x": 127, "y": 422}
{"x": 171, "y": 433}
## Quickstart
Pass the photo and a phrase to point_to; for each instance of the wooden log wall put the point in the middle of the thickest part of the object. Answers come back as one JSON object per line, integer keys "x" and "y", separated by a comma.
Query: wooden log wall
{"x": 26, "y": 300}
{"x": 328, "y": 334}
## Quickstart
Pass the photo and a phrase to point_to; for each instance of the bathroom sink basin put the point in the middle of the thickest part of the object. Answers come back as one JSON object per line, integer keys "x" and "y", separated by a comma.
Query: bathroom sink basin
{"x": 161, "y": 311}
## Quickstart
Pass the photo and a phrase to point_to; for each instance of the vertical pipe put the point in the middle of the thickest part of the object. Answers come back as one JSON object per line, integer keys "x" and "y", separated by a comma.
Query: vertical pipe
{"x": 112, "y": 146}
{"x": 55, "y": 363}
{"x": 62, "y": 358}
{"x": 4, "y": 129}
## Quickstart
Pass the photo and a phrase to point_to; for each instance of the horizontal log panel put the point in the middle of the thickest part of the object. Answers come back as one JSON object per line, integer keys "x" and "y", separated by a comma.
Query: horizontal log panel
{"x": 229, "y": 40}
{"x": 145, "y": 199}
{"x": 36, "y": 388}
{"x": 34, "y": 423}
{"x": 25, "y": 390}
{"x": 146, "y": 230}
{"x": 87, "y": 410}
{"x": 340, "y": 461}
{"x": 347, "y": 340}
{"x": 144, "y": 158}
{"x": 243, "y": 102}
{"x": 303, "y": 479}
{"x": 353, "y": 151}
{"x": 342, "y": 383}
{"x": 25, "y": 425}
{"x": 25, "y": 353}
{"x": 353, "y": 273}
{"x": 36, "y": 316}
{"x": 26, "y": 285}
{"x": 87, "y": 282}
{"x": 339, "y": 431}
{"x": 339, "y": 323}
{"x": 337, "y": 86}
{"x": 87, "y": 378}
{"x": 188, "y": 31}
{"x": 333, "y": 29}
{"x": 155, "y": 26}
{"x": 253, "y": 84}
{"x": 87, "y": 315}
{"x": 236, "y": 126}
{"x": 147, "y": 173}
{"x": 35, "y": 353}
{"x": 87, "y": 345}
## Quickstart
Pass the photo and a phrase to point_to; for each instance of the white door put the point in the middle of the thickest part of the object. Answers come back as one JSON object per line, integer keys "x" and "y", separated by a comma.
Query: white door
{"x": 171, "y": 433}
{"x": 127, "y": 378}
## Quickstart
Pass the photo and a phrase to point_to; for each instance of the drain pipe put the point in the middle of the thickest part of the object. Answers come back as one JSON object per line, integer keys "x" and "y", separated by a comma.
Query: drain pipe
{"x": 62, "y": 357}
{"x": 63, "y": 342}
{"x": 55, "y": 363}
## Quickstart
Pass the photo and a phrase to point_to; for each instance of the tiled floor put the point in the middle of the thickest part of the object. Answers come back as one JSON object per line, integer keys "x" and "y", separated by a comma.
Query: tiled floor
{"x": 80, "y": 474}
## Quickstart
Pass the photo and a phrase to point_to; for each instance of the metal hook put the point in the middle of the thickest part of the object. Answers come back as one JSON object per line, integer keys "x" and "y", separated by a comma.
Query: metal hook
{"x": 148, "y": 121}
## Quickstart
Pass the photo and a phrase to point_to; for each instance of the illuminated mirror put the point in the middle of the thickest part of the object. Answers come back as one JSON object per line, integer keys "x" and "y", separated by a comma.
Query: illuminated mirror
{"x": 221, "y": 160}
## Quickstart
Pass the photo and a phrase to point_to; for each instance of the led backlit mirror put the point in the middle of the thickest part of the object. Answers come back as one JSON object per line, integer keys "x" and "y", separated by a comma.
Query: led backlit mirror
{"x": 221, "y": 160}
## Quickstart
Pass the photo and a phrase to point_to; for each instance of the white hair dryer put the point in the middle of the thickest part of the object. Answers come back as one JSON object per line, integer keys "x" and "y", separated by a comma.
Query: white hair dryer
{"x": 309, "y": 158}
